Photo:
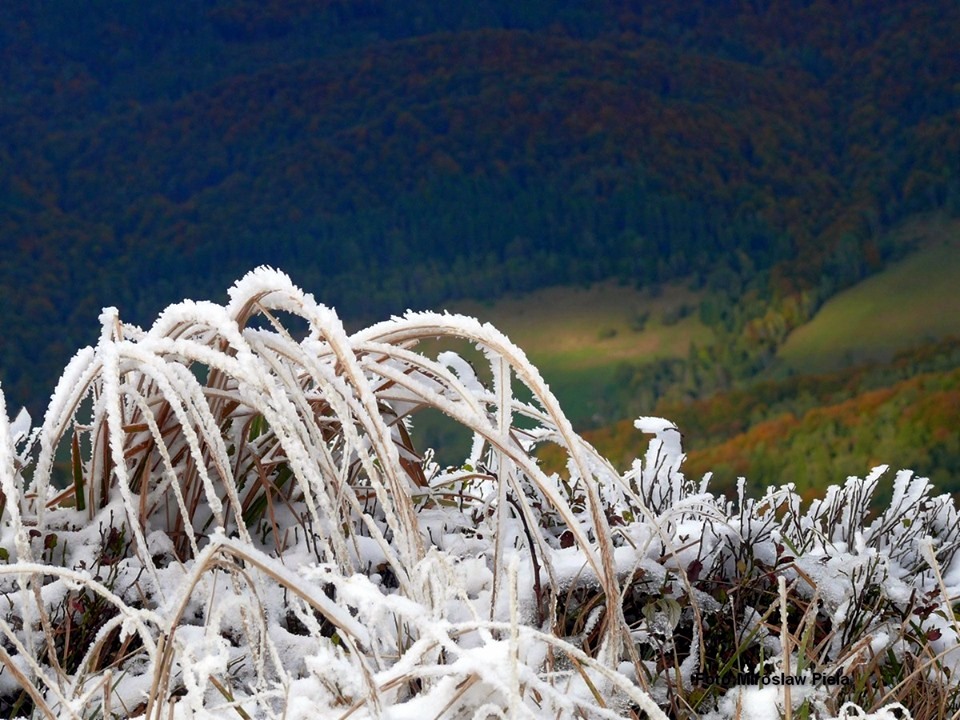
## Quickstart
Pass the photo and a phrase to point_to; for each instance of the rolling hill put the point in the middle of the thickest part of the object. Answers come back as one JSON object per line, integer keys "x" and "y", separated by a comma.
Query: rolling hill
{"x": 911, "y": 302}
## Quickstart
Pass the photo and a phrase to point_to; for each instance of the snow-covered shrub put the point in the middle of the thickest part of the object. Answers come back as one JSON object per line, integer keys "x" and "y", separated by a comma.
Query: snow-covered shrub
{"x": 226, "y": 516}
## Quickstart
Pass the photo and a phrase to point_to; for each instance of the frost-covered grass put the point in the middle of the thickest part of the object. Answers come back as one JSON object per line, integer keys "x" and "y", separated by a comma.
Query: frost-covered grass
{"x": 246, "y": 528}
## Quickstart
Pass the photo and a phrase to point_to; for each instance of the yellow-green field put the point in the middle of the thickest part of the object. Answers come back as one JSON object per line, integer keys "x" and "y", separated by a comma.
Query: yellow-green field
{"x": 576, "y": 327}
{"x": 578, "y": 337}
{"x": 912, "y": 301}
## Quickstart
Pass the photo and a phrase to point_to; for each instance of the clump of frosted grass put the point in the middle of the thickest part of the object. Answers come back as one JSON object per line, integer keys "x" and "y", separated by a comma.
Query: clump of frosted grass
{"x": 228, "y": 515}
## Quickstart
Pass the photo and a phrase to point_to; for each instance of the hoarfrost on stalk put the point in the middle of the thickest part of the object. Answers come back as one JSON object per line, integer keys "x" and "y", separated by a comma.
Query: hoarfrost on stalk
{"x": 223, "y": 517}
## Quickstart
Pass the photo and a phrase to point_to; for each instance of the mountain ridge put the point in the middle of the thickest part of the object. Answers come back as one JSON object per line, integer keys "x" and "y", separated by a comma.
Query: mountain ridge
{"x": 352, "y": 142}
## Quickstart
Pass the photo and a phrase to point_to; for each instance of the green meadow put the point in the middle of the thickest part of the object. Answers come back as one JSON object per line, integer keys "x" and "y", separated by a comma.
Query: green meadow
{"x": 911, "y": 302}
{"x": 579, "y": 336}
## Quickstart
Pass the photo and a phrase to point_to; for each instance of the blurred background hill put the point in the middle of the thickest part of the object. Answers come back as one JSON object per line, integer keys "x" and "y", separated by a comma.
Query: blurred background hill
{"x": 716, "y": 197}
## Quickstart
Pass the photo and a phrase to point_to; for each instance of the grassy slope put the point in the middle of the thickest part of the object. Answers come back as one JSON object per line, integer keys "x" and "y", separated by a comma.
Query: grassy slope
{"x": 578, "y": 336}
{"x": 913, "y": 301}
{"x": 907, "y": 423}
{"x": 809, "y": 428}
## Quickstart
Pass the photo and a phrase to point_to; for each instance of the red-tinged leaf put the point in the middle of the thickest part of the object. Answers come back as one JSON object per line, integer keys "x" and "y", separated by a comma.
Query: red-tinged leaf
{"x": 933, "y": 635}
{"x": 694, "y": 569}
{"x": 566, "y": 539}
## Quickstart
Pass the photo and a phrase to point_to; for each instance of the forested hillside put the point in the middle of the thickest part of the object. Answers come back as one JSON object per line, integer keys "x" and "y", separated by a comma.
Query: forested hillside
{"x": 802, "y": 428}
{"x": 394, "y": 155}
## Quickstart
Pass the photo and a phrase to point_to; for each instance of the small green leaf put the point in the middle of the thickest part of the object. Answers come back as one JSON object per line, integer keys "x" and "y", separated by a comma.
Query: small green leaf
{"x": 258, "y": 426}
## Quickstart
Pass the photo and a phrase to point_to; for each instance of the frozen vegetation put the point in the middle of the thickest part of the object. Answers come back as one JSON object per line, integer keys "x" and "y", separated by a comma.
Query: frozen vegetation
{"x": 228, "y": 516}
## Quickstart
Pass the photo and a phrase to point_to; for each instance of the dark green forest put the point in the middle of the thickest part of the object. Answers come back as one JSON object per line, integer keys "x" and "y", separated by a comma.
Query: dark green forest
{"x": 394, "y": 155}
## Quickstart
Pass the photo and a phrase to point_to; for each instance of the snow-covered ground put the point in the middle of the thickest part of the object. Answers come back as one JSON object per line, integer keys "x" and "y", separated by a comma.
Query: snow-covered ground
{"x": 217, "y": 519}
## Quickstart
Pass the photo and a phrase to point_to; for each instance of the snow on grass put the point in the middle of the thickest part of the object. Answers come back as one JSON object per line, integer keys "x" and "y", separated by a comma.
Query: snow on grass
{"x": 217, "y": 520}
